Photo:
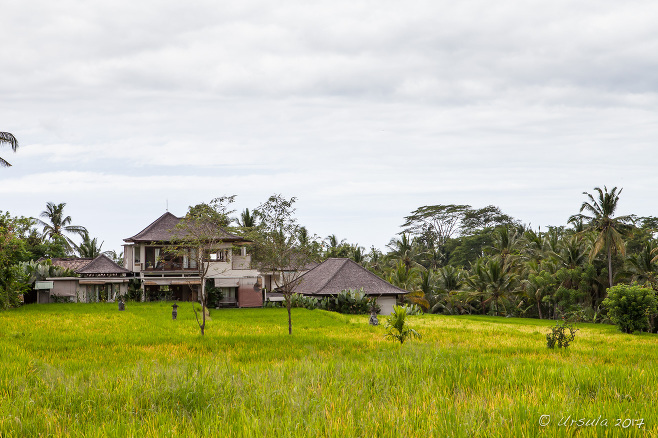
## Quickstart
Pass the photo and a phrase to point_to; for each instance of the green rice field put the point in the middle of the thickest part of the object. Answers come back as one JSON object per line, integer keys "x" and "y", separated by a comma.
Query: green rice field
{"x": 88, "y": 370}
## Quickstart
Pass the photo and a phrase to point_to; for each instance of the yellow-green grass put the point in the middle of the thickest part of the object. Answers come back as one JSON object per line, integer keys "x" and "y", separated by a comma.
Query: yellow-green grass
{"x": 89, "y": 370}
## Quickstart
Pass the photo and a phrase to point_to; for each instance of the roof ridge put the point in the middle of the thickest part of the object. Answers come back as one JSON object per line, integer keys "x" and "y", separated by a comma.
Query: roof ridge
{"x": 96, "y": 260}
{"x": 336, "y": 271}
{"x": 149, "y": 226}
{"x": 377, "y": 276}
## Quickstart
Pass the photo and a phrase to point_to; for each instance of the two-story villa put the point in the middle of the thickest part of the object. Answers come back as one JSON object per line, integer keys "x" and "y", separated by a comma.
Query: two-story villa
{"x": 146, "y": 255}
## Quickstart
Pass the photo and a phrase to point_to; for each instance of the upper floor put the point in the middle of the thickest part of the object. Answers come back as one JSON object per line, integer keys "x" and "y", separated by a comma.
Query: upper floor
{"x": 150, "y": 250}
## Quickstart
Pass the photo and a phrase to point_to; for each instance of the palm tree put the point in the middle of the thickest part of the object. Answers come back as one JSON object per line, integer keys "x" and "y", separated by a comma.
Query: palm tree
{"x": 643, "y": 266}
{"x": 609, "y": 228}
{"x": 6, "y": 137}
{"x": 494, "y": 280}
{"x": 397, "y": 328}
{"x": 89, "y": 248}
{"x": 247, "y": 219}
{"x": 403, "y": 277}
{"x": 58, "y": 224}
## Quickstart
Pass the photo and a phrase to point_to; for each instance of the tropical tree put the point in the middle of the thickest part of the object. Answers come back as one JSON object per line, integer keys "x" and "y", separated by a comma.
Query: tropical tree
{"x": 601, "y": 220}
{"x": 403, "y": 277}
{"x": 643, "y": 268}
{"x": 199, "y": 234}
{"x": 89, "y": 248}
{"x": 6, "y": 137}
{"x": 57, "y": 225}
{"x": 247, "y": 219}
{"x": 397, "y": 328}
{"x": 494, "y": 280}
{"x": 279, "y": 249}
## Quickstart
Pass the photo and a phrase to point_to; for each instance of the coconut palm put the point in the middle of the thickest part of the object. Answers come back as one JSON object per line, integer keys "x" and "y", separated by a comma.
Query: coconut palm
{"x": 57, "y": 224}
{"x": 403, "y": 277}
{"x": 89, "y": 248}
{"x": 642, "y": 266}
{"x": 601, "y": 221}
{"x": 397, "y": 328}
{"x": 6, "y": 137}
{"x": 494, "y": 280}
{"x": 571, "y": 253}
{"x": 247, "y": 219}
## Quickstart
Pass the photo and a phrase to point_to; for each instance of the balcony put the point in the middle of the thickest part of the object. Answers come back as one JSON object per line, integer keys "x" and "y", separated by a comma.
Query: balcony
{"x": 169, "y": 266}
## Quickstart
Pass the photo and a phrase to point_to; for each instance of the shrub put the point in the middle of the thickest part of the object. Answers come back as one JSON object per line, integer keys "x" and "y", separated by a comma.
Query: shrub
{"x": 413, "y": 309}
{"x": 629, "y": 306}
{"x": 214, "y": 294}
{"x": 298, "y": 300}
{"x": 134, "y": 290}
{"x": 60, "y": 299}
{"x": 558, "y": 335}
{"x": 396, "y": 326}
{"x": 350, "y": 301}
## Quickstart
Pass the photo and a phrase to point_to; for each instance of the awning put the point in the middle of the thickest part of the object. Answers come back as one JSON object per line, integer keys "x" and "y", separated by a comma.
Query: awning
{"x": 226, "y": 282}
{"x": 102, "y": 280}
{"x": 43, "y": 285}
{"x": 186, "y": 282}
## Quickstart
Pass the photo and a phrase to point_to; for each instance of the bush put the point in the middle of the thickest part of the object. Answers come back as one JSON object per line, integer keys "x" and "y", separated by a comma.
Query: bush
{"x": 298, "y": 300}
{"x": 558, "y": 335}
{"x": 134, "y": 290}
{"x": 413, "y": 309}
{"x": 214, "y": 294}
{"x": 629, "y": 306}
{"x": 396, "y": 326}
{"x": 350, "y": 301}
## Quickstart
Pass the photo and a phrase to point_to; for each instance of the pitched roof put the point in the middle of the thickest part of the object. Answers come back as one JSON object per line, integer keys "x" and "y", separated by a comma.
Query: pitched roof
{"x": 162, "y": 230}
{"x": 72, "y": 264}
{"x": 102, "y": 265}
{"x": 336, "y": 274}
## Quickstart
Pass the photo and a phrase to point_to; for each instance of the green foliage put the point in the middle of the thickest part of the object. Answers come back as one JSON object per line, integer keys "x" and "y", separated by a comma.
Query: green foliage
{"x": 412, "y": 309}
{"x": 215, "y": 294}
{"x": 350, "y": 301}
{"x": 89, "y": 248}
{"x": 559, "y": 336}
{"x": 282, "y": 246}
{"x": 134, "y": 290}
{"x": 629, "y": 307}
{"x": 64, "y": 299}
{"x": 57, "y": 225}
{"x": 397, "y": 328}
{"x": 298, "y": 300}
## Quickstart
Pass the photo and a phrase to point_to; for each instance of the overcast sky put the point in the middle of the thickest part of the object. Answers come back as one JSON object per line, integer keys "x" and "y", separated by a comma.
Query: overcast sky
{"x": 363, "y": 110}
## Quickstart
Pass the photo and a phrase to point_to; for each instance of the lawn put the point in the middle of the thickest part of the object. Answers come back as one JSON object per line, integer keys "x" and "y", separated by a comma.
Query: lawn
{"x": 88, "y": 370}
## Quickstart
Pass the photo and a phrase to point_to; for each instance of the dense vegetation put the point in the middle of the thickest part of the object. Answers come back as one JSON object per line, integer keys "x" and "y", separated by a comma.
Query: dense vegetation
{"x": 459, "y": 260}
{"x": 454, "y": 259}
{"x": 89, "y": 370}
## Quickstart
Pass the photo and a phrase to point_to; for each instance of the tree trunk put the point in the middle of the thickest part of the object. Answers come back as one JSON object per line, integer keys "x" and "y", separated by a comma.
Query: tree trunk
{"x": 610, "y": 265}
{"x": 288, "y": 306}
{"x": 202, "y": 326}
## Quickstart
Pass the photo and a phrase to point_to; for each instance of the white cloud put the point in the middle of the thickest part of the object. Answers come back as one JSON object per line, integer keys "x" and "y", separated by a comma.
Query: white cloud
{"x": 364, "y": 111}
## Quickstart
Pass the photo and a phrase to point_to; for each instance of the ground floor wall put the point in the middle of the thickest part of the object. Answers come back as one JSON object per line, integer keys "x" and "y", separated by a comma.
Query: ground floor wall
{"x": 77, "y": 292}
{"x": 386, "y": 304}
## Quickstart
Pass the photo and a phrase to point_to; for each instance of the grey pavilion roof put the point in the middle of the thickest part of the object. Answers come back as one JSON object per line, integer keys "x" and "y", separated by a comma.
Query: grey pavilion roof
{"x": 102, "y": 265}
{"x": 336, "y": 274}
{"x": 162, "y": 230}
{"x": 72, "y": 264}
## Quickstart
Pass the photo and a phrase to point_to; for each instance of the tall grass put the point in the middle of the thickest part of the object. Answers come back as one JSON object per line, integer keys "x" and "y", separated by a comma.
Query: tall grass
{"x": 89, "y": 370}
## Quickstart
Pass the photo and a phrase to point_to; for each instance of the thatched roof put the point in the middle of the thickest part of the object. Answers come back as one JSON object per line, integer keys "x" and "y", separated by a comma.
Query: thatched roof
{"x": 72, "y": 264}
{"x": 163, "y": 230}
{"x": 336, "y": 274}
{"x": 102, "y": 265}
